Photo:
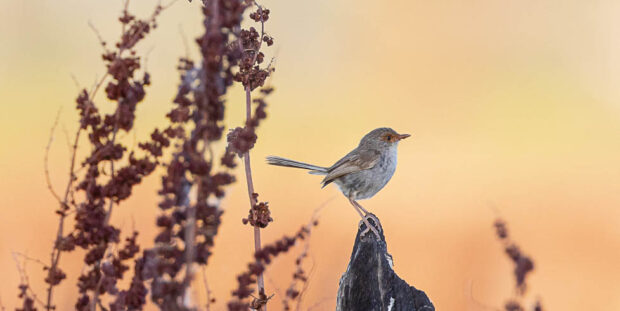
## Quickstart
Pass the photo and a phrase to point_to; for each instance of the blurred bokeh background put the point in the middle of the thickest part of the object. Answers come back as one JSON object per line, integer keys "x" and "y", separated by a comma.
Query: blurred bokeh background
{"x": 514, "y": 107}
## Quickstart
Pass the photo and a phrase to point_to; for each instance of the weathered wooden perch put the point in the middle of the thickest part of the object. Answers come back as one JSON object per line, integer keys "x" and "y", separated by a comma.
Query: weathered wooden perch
{"x": 371, "y": 284}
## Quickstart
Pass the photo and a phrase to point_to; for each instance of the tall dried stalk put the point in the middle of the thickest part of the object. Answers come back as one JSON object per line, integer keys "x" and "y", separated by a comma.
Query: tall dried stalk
{"x": 253, "y": 201}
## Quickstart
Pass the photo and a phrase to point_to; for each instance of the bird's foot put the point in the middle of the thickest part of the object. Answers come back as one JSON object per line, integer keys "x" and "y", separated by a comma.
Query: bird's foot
{"x": 374, "y": 218}
{"x": 371, "y": 227}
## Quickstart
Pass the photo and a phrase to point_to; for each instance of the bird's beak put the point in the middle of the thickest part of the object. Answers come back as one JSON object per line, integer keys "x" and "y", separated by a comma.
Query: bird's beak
{"x": 403, "y": 136}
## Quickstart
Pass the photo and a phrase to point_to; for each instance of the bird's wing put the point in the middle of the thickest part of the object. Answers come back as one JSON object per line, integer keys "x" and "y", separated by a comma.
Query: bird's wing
{"x": 353, "y": 162}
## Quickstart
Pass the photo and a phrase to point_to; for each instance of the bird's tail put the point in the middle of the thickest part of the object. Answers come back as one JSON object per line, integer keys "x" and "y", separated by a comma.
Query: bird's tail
{"x": 316, "y": 170}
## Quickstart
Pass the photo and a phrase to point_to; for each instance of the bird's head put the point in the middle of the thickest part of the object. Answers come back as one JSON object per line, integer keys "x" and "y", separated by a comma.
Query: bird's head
{"x": 383, "y": 137}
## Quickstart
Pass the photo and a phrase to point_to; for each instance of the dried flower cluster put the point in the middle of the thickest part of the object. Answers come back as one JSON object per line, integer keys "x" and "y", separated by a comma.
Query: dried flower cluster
{"x": 259, "y": 215}
{"x": 194, "y": 180}
{"x": 93, "y": 230}
{"x": 262, "y": 259}
{"x": 188, "y": 226}
{"x": 101, "y": 188}
{"x": 242, "y": 139}
{"x": 27, "y": 301}
{"x": 523, "y": 266}
{"x": 250, "y": 74}
{"x": 247, "y": 48}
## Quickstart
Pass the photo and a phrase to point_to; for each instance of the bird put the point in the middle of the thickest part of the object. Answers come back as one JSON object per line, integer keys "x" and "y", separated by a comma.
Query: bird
{"x": 362, "y": 172}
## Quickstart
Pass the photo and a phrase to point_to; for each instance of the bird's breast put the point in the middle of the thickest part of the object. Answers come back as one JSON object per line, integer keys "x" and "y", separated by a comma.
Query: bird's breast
{"x": 366, "y": 183}
{"x": 388, "y": 162}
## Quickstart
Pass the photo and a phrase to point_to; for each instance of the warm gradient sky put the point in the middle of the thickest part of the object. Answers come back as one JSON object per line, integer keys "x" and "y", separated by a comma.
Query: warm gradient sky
{"x": 514, "y": 107}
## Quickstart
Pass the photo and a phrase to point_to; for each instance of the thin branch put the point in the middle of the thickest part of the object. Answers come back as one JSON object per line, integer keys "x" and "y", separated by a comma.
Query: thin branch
{"x": 96, "y": 87}
{"x": 75, "y": 81}
{"x": 24, "y": 280}
{"x": 125, "y": 12}
{"x": 26, "y": 257}
{"x": 208, "y": 291}
{"x": 184, "y": 40}
{"x": 67, "y": 139}
{"x": 46, "y": 158}
{"x": 304, "y": 288}
{"x": 97, "y": 34}
{"x": 146, "y": 57}
{"x": 470, "y": 295}
{"x": 272, "y": 282}
{"x": 163, "y": 7}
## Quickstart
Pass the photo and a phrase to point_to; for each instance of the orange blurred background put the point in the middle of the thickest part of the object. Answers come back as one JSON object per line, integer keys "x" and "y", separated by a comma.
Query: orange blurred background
{"x": 514, "y": 107}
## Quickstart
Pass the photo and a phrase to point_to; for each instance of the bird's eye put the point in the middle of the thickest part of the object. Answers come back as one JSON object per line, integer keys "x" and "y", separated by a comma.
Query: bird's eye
{"x": 388, "y": 137}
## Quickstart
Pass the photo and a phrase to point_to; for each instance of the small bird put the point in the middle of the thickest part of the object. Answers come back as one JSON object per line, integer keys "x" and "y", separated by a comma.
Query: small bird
{"x": 362, "y": 172}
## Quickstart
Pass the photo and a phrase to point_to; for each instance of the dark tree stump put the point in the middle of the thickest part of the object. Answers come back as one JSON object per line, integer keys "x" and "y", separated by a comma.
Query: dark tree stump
{"x": 371, "y": 284}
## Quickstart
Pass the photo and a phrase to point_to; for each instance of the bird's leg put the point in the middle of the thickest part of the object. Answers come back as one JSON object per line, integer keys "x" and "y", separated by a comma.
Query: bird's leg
{"x": 368, "y": 214}
{"x": 360, "y": 207}
{"x": 368, "y": 226}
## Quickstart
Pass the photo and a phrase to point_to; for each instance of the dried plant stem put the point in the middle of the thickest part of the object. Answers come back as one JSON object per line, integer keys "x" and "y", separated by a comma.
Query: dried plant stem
{"x": 21, "y": 268}
{"x": 55, "y": 256}
{"x": 28, "y": 258}
{"x": 306, "y": 285}
{"x": 95, "y": 300}
{"x": 46, "y": 159}
{"x": 125, "y": 11}
{"x": 190, "y": 229}
{"x": 109, "y": 213}
{"x": 248, "y": 176}
{"x": 207, "y": 289}
{"x": 190, "y": 237}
